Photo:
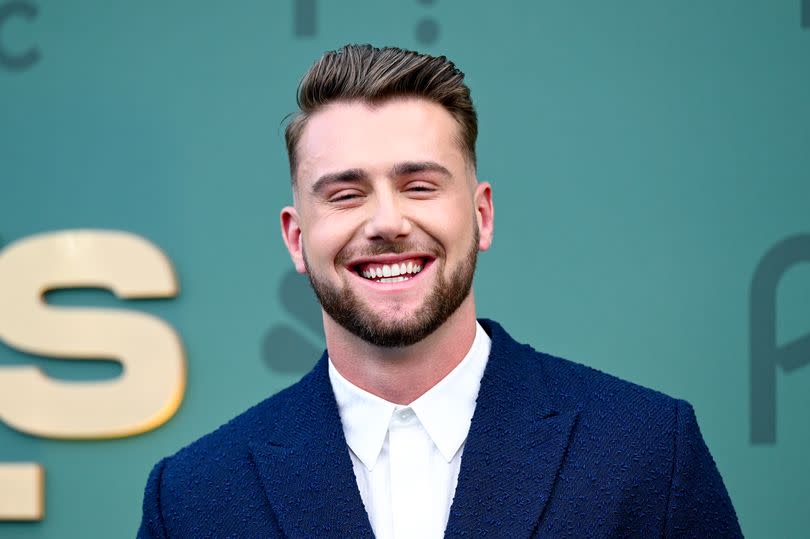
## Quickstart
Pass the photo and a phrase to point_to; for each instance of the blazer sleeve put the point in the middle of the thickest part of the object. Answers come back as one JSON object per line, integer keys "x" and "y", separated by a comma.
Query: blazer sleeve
{"x": 152, "y": 520}
{"x": 699, "y": 505}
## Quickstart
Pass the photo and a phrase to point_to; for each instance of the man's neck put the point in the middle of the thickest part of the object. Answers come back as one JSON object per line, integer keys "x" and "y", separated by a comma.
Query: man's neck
{"x": 401, "y": 375}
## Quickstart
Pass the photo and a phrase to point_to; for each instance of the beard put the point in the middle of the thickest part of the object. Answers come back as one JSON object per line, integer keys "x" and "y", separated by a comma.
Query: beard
{"x": 446, "y": 296}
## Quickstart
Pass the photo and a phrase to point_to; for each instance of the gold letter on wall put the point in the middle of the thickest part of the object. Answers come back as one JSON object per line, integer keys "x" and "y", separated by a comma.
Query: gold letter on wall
{"x": 151, "y": 387}
{"x": 21, "y": 491}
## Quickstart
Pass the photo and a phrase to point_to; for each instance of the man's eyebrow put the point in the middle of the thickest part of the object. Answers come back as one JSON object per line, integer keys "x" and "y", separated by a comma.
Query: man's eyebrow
{"x": 350, "y": 175}
{"x": 357, "y": 174}
{"x": 412, "y": 167}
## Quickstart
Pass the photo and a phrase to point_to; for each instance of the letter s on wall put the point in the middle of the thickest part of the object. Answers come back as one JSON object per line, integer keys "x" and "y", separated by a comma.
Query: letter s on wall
{"x": 151, "y": 387}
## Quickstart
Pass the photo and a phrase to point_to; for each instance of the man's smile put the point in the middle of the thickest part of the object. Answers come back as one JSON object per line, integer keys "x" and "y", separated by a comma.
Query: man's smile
{"x": 391, "y": 273}
{"x": 390, "y": 269}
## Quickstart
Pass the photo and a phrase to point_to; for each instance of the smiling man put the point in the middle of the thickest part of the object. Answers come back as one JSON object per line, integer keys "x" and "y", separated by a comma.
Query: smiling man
{"x": 419, "y": 420}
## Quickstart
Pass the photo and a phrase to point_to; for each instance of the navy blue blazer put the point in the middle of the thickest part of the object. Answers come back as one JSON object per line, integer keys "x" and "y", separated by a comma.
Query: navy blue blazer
{"x": 555, "y": 449}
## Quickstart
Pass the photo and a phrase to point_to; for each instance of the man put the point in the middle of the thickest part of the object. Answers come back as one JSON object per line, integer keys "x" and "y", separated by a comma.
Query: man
{"x": 420, "y": 421}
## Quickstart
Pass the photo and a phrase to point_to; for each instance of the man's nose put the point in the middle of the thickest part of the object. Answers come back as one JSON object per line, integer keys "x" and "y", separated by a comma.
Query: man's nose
{"x": 387, "y": 221}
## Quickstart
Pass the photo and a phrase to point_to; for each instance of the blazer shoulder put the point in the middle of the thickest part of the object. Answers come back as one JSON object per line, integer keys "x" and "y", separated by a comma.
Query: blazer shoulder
{"x": 608, "y": 406}
{"x": 619, "y": 413}
{"x": 567, "y": 383}
{"x": 656, "y": 437}
{"x": 184, "y": 490}
{"x": 266, "y": 420}
{"x": 630, "y": 447}
{"x": 592, "y": 387}
{"x": 210, "y": 487}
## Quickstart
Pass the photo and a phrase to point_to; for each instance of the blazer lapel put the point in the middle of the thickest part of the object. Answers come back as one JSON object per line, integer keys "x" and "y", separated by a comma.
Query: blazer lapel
{"x": 516, "y": 444}
{"x": 306, "y": 469}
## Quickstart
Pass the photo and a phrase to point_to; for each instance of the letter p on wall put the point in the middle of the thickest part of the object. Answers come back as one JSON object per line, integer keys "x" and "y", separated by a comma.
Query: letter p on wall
{"x": 766, "y": 355}
{"x": 151, "y": 387}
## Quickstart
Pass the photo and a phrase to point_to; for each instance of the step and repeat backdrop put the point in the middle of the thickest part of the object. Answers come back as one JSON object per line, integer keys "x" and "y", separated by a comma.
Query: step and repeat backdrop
{"x": 651, "y": 171}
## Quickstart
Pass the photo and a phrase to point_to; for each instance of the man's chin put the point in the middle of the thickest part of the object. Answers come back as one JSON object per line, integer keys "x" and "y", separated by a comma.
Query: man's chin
{"x": 388, "y": 330}
{"x": 392, "y": 335}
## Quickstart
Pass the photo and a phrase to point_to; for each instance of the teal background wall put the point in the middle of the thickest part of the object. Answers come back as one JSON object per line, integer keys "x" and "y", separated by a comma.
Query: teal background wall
{"x": 645, "y": 157}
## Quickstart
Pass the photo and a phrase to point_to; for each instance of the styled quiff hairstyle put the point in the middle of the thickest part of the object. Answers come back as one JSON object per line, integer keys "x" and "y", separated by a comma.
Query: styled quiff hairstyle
{"x": 374, "y": 75}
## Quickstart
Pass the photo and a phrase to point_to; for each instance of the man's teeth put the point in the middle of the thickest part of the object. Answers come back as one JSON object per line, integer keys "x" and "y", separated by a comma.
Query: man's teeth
{"x": 392, "y": 273}
{"x": 393, "y": 279}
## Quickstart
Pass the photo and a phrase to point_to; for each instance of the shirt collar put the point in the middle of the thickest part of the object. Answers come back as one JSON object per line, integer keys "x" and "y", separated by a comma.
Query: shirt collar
{"x": 445, "y": 410}
{"x": 364, "y": 416}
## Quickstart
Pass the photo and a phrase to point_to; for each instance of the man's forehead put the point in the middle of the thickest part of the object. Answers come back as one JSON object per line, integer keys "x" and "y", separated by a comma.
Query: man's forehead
{"x": 363, "y": 135}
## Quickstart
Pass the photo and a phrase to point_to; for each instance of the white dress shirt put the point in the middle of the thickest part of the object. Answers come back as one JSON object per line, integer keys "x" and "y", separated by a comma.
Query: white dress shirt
{"x": 406, "y": 458}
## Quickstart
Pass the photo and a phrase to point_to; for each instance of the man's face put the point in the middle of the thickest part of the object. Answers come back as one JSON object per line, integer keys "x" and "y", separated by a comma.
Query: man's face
{"x": 388, "y": 217}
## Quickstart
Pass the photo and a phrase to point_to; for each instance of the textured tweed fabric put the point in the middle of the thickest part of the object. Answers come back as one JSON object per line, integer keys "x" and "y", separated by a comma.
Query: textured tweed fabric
{"x": 556, "y": 449}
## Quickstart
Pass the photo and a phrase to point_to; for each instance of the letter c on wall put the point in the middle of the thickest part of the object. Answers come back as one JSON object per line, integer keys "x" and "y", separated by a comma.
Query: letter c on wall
{"x": 152, "y": 384}
{"x": 29, "y": 57}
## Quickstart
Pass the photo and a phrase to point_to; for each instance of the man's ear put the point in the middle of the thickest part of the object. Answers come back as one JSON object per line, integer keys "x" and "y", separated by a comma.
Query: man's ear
{"x": 291, "y": 234}
{"x": 484, "y": 214}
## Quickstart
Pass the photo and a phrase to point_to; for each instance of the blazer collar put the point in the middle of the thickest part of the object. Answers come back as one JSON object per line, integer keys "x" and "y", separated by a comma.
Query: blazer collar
{"x": 517, "y": 440}
{"x": 514, "y": 448}
{"x": 305, "y": 467}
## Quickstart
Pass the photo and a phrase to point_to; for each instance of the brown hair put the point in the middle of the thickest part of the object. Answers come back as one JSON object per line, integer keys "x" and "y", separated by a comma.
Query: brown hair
{"x": 374, "y": 75}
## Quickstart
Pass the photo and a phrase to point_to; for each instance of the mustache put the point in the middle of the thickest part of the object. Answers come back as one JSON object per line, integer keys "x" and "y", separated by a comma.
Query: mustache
{"x": 384, "y": 248}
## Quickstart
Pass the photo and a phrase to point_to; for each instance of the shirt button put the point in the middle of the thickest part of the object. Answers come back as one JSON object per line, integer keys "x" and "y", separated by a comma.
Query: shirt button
{"x": 405, "y": 413}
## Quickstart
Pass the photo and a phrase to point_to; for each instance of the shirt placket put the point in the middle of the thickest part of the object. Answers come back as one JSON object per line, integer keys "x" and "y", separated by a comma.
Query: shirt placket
{"x": 411, "y": 498}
